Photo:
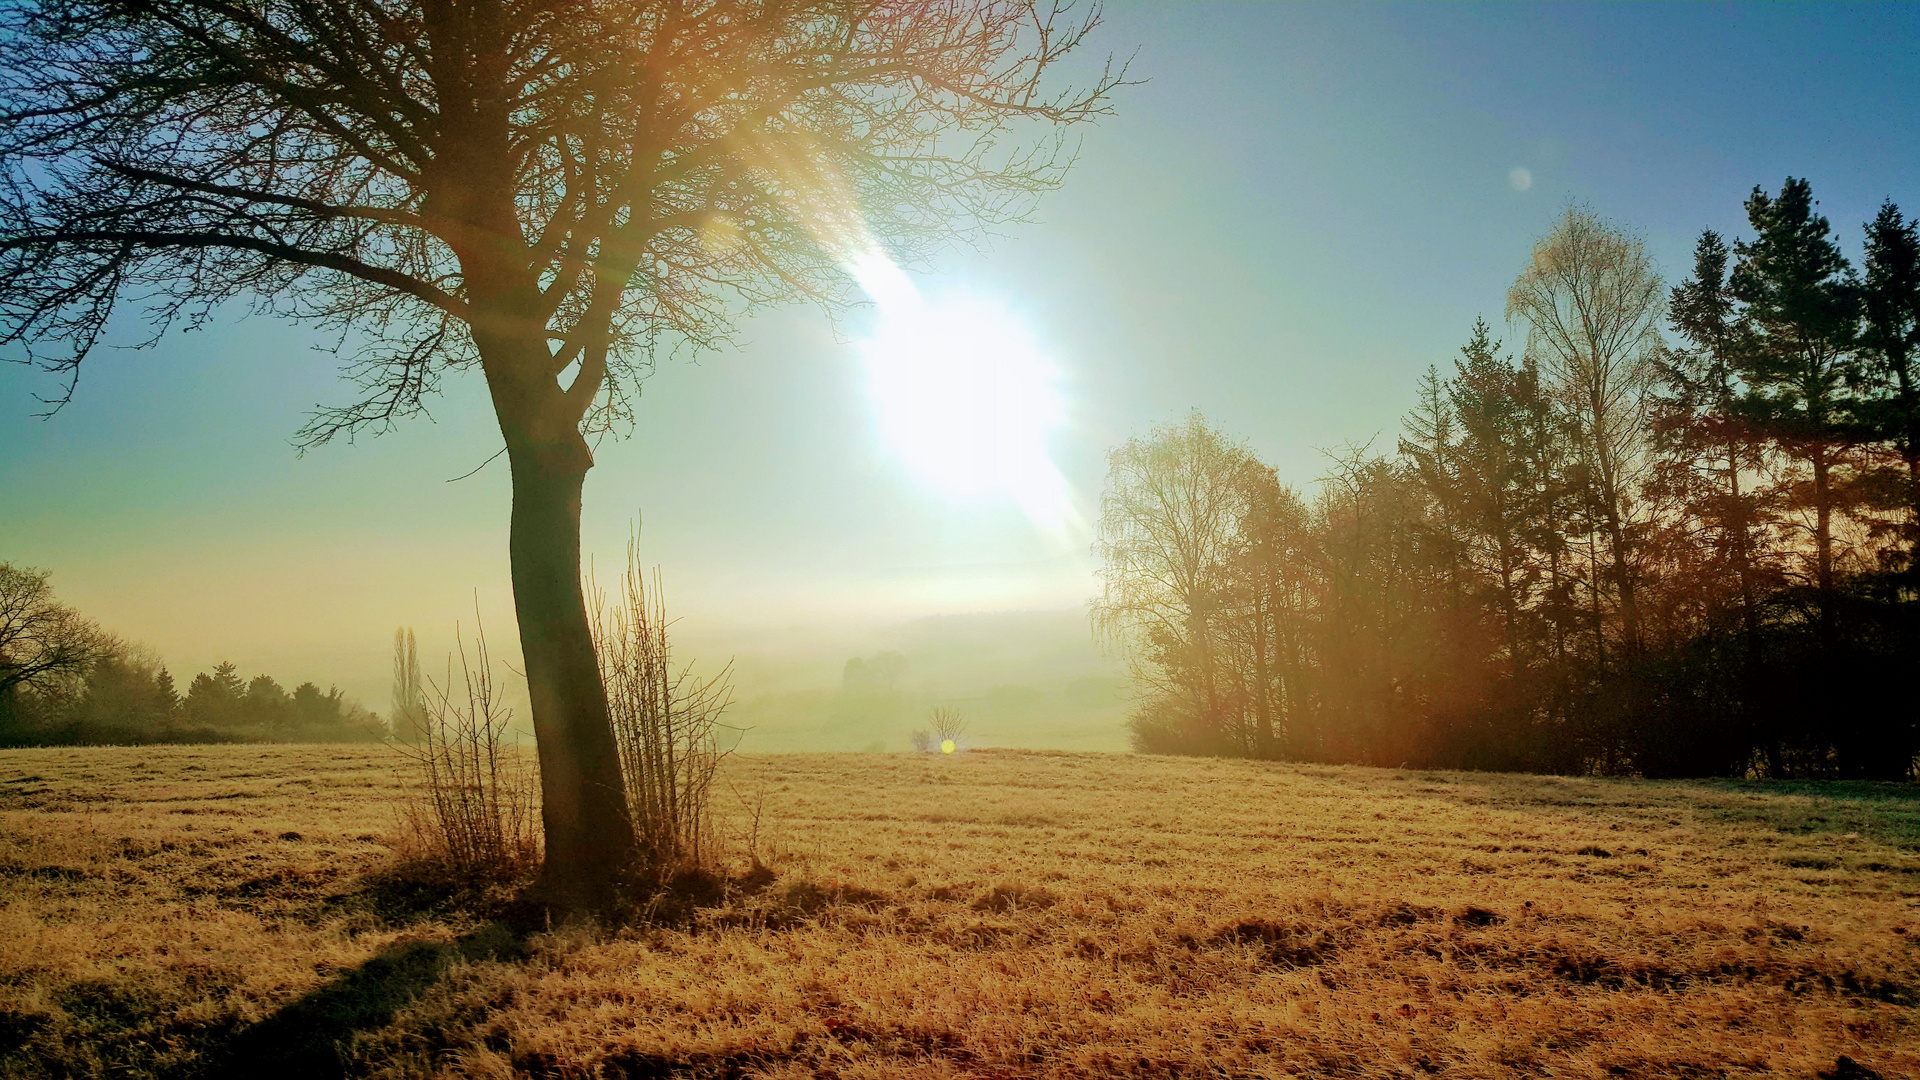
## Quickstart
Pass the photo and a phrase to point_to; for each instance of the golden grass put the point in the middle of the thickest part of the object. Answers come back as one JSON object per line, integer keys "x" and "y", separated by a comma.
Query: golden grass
{"x": 178, "y": 911}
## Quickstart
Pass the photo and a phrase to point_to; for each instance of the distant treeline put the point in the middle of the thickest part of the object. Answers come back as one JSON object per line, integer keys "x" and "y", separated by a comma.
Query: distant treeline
{"x": 130, "y": 699}
{"x": 1620, "y": 552}
{"x": 66, "y": 682}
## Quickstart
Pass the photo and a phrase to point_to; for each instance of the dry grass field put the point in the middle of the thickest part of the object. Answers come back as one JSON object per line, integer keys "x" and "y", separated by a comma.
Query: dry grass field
{"x": 235, "y": 911}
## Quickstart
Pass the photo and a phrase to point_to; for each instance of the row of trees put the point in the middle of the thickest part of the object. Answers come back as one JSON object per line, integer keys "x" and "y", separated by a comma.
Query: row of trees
{"x": 66, "y": 681}
{"x": 1678, "y": 534}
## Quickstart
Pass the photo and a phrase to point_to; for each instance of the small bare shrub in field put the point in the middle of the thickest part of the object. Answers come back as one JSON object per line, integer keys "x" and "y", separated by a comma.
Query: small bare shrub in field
{"x": 922, "y": 740}
{"x": 471, "y": 810}
{"x": 948, "y": 727}
{"x": 664, "y": 719}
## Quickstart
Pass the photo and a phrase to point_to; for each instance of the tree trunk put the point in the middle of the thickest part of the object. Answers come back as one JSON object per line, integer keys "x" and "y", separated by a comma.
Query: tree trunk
{"x": 470, "y": 202}
{"x": 1263, "y": 701}
{"x": 1742, "y": 541}
{"x": 1509, "y": 604}
{"x": 1823, "y": 530}
{"x": 589, "y": 841}
{"x": 1593, "y": 590}
{"x": 1616, "y": 531}
{"x": 1623, "y": 576}
{"x": 1910, "y": 451}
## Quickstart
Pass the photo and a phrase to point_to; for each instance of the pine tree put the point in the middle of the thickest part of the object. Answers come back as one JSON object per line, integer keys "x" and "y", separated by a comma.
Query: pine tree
{"x": 1703, "y": 431}
{"x": 1494, "y": 401}
{"x": 1890, "y": 345}
{"x": 1802, "y": 302}
{"x": 165, "y": 692}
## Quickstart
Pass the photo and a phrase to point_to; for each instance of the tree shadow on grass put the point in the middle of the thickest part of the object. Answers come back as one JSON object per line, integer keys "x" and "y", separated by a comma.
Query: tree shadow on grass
{"x": 312, "y": 1038}
{"x": 304, "y": 1040}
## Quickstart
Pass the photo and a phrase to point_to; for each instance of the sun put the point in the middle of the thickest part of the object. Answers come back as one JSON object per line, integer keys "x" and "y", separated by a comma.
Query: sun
{"x": 964, "y": 395}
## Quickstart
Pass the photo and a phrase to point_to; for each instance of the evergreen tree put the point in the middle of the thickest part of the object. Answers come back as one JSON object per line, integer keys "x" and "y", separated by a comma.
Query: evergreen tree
{"x": 214, "y": 698}
{"x": 1890, "y": 345}
{"x": 267, "y": 708}
{"x": 1716, "y": 516}
{"x": 1702, "y": 429}
{"x": 164, "y": 690}
{"x": 1802, "y": 303}
{"x": 1495, "y": 401}
{"x": 313, "y": 709}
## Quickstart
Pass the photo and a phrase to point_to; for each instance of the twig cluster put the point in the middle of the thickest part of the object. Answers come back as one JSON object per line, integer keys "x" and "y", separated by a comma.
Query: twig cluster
{"x": 944, "y": 725}
{"x": 665, "y": 720}
{"x": 472, "y": 808}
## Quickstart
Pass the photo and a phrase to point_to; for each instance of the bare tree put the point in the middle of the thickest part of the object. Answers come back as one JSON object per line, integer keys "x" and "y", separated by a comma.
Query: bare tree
{"x": 408, "y": 718}
{"x": 948, "y": 728}
{"x": 42, "y": 641}
{"x": 1592, "y": 305}
{"x": 1169, "y": 536}
{"x": 1268, "y": 600}
{"x": 552, "y": 191}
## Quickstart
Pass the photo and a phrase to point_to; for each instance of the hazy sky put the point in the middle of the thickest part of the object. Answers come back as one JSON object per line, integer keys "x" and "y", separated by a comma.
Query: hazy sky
{"x": 1301, "y": 209}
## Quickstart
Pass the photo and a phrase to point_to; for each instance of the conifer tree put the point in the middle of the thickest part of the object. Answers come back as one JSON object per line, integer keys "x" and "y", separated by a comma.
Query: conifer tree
{"x": 1802, "y": 302}
{"x": 1890, "y": 346}
{"x": 1701, "y": 424}
{"x": 1494, "y": 401}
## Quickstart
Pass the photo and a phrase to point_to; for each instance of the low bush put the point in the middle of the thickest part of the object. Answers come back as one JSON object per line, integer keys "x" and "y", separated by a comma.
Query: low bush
{"x": 472, "y": 810}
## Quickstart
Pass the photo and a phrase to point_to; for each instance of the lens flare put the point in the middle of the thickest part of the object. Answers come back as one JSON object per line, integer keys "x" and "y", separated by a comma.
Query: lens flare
{"x": 964, "y": 395}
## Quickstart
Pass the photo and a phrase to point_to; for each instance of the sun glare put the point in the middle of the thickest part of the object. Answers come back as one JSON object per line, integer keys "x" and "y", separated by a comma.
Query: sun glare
{"x": 964, "y": 395}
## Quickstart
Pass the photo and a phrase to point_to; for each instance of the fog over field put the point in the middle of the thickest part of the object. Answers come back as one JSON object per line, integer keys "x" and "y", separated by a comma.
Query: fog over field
{"x": 1020, "y": 679}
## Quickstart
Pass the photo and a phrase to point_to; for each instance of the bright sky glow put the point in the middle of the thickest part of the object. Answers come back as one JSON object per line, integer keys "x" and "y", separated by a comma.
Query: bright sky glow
{"x": 1286, "y": 256}
{"x": 965, "y": 397}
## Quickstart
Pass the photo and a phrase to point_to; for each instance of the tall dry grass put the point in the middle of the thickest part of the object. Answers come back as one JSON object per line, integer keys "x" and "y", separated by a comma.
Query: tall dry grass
{"x": 665, "y": 720}
{"x": 471, "y": 808}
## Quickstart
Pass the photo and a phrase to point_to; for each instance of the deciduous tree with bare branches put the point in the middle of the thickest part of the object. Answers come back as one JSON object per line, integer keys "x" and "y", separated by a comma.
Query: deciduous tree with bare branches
{"x": 1592, "y": 304}
{"x": 42, "y": 641}
{"x": 1169, "y": 537}
{"x": 552, "y": 191}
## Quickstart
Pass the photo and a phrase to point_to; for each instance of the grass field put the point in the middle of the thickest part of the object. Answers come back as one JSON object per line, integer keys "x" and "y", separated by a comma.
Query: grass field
{"x": 235, "y": 911}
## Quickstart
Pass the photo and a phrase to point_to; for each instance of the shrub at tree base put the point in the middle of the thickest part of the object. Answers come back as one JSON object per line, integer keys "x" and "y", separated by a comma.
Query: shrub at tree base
{"x": 471, "y": 811}
{"x": 664, "y": 721}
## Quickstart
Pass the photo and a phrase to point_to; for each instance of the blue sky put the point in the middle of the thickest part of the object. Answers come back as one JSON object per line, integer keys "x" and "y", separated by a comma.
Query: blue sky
{"x": 1300, "y": 209}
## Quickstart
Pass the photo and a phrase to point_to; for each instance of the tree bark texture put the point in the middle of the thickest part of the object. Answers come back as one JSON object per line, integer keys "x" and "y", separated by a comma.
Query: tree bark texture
{"x": 589, "y": 841}
{"x": 590, "y": 845}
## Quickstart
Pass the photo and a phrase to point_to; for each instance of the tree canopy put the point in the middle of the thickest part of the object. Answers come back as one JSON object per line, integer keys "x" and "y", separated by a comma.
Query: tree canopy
{"x": 601, "y": 180}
